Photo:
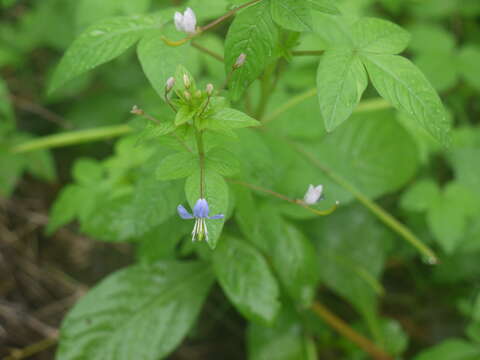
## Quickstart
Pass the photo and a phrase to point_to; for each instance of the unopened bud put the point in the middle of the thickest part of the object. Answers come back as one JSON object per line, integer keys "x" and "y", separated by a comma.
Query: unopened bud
{"x": 209, "y": 89}
{"x": 187, "y": 95}
{"x": 198, "y": 94}
{"x": 170, "y": 84}
{"x": 186, "y": 81}
{"x": 136, "y": 110}
{"x": 240, "y": 61}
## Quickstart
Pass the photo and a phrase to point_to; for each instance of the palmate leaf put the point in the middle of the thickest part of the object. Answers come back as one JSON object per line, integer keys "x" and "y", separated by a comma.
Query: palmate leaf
{"x": 141, "y": 312}
{"x": 100, "y": 43}
{"x": 292, "y": 14}
{"x": 254, "y": 34}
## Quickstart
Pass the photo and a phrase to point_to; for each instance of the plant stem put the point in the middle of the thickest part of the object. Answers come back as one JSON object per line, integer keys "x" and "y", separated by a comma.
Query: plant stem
{"x": 227, "y": 15}
{"x": 308, "y": 52}
{"x": 71, "y": 138}
{"x": 267, "y": 87}
{"x": 286, "y": 198}
{"x": 378, "y": 211}
{"x": 344, "y": 329}
{"x": 201, "y": 157}
{"x": 32, "y": 349}
{"x": 207, "y": 51}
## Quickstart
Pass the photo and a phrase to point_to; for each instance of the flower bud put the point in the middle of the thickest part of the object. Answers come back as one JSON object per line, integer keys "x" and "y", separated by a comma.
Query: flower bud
{"x": 209, "y": 89}
{"x": 136, "y": 110}
{"x": 186, "y": 81}
{"x": 186, "y": 22}
{"x": 313, "y": 194}
{"x": 187, "y": 95}
{"x": 240, "y": 61}
{"x": 170, "y": 84}
{"x": 198, "y": 94}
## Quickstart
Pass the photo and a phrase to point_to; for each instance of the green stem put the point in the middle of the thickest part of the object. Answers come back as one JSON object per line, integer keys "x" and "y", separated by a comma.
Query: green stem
{"x": 201, "y": 157}
{"x": 72, "y": 138}
{"x": 307, "y": 52}
{"x": 267, "y": 87}
{"x": 378, "y": 211}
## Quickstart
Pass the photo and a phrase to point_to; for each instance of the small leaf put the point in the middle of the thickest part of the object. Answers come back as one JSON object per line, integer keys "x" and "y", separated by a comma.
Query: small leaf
{"x": 379, "y": 36}
{"x": 222, "y": 161}
{"x": 216, "y": 193}
{"x": 469, "y": 58}
{"x": 177, "y": 166}
{"x": 184, "y": 115}
{"x": 420, "y": 196}
{"x": 141, "y": 312}
{"x": 341, "y": 81}
{"x": 100, "y": 43}
{"x": 65, "y": 207}
{"x": 254, "y": 34}
{"x": 247, "y": 280}
{"x": 400, "y": 82}
{"x": 291, "y": 14}
{"x": 451, "y": 349}
{"x": 227, "y": 119}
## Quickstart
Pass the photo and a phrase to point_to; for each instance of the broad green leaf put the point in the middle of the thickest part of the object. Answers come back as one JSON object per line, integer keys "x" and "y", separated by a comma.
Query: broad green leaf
{"x": 469, "y": 58}
{"x": 324, "y": 6}
{"x": 247, "y": 280}
{"x": 87, "y": 171}
{"x": 438, "y": 68}
{"x": 292, "y": 255}
{"x": 177, "y": 166}
{"x": 254, "y": 34}
{"x": 341, "y": 81}
{"x": 351, "y": 251}
{"x": 141, "y": 312}
{"x": 400, "y": 82}
{"x": 227, "y": 118}
{"x": 222, "y": 161}
{"x": 216, "y": 193}
{"x": 159, "y": 61}
{"x": 420, "y": 196}
{"x": 379, "y": 36}
{"x": 431, "y": 39}
{"x": 100, "y": 43}
{"x": 291, "y": 14}
{"x": 65, "y": 207}
{"x": 452, "y": 349}
{"x": 285, "y": 340}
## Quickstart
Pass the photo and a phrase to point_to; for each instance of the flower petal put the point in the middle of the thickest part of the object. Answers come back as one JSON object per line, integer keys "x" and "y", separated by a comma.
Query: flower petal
{"x": 183, "y": 213}
{"x": 178, "y": 19}
{"x": 218, "y": 216}
{"x": 200, "y": 210}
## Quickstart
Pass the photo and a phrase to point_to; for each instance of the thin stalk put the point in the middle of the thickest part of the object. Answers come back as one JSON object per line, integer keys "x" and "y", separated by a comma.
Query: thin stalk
{"x": 344, "y": 329}
{"x": 267, "y": 87}
{"x": 201, "y": 157}
{"x": 208, "y": 51}
{"x": 72, "y": 138}
{"x": 286, "y": 198}
{"x": 32, "y": 349}
{"x": 307, "y": 52}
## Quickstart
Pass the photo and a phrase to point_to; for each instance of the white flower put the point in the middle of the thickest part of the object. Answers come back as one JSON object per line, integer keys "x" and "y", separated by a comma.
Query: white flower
{"x": 187, "y": 22}
{"x": 313, "y": 194}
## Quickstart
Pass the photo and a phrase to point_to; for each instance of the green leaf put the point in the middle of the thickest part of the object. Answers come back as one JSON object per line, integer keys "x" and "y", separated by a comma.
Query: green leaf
{"x": 177, "y": 166}
{"x": 184, "y": 115}
{"x": 227, "y": 119}
{"x": 400, "y": 82}
{"x": 452, "y": 349}
{"x": 379, "y": 36}
{"x": 468, "y": 59}
{"x": 222, "y": 161}
{"x": 352, "y": 250}
{"x": 324, "y": 6}
{"x": 65, "y": 208}
{"x": 420, "y": 196}
{"x": 254, "y": 34}
{"x": 216, "y": 193}
{"x": 41, "y": 164}
{"x": 341, "y": 81}
{"x": 139, "y": 312}
{"x": 291, "y": 14}
{"x": 159, "y": 61}
{"x": 87, "y": 171}
{"x": 100, "y": 43}
{"x": 247, "y": 280}
{"x": 438, "y": 68}
{"x": 285, "y": 340}
{"x": 6, "y": 112}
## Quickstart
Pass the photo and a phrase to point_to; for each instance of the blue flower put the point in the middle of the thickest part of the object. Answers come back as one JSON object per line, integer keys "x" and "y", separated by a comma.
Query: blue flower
{"x": 200, "y": 213}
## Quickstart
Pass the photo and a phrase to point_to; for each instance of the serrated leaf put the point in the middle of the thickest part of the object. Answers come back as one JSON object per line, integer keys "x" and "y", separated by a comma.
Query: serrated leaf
{"x": 100, "y": 43}
{"x": 216, "y": 193}
{"x": 227, "y": 119}
{"x": 247, "y": 280}
{"x": 379, "y": 36}
{"x": 341, "y": 81}
{"x": 400, "y": 82}
{"x": 139, "y": 312}
{"x": 177, "y": 166}
{"x": 291, "y": 14}
{"x": 254, "y": 34}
